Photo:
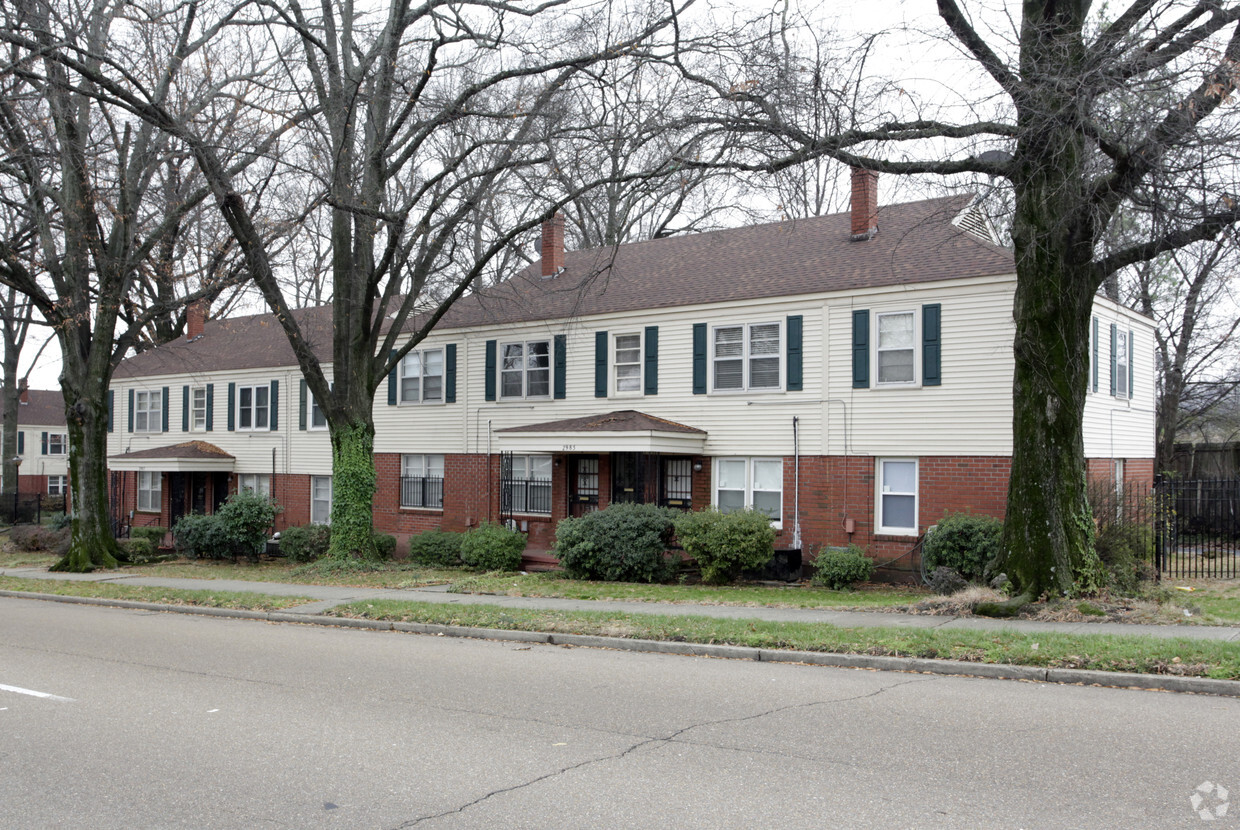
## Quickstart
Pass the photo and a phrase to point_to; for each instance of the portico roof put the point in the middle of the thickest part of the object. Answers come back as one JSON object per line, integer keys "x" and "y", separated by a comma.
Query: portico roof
{"x": 189, "y": 457}
{"x": 623, "y": 431}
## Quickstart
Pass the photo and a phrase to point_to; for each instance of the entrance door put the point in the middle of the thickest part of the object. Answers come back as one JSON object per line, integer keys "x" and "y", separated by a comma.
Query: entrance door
{"x": 583, "y": 485}
{"x": 633, "y": 477}
{"x": 176, "y": 497}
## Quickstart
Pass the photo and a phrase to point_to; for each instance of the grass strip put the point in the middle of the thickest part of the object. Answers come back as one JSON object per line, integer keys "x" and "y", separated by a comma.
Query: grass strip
{"x": 240, "y": 600}
{"x": 1099, "y": 652}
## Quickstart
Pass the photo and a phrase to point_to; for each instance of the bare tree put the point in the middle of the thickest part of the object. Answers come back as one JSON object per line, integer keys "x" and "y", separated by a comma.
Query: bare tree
{"x": 1081, "y": 119}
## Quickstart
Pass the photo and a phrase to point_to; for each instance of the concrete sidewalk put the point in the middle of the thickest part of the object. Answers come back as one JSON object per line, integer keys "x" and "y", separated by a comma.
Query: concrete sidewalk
{"x": 327, "y": 596}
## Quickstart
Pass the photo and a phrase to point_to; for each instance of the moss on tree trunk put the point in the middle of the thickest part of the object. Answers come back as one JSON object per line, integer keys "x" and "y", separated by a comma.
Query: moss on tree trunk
{"x": 93, "y": 544}
{"x": 353, "y": 492}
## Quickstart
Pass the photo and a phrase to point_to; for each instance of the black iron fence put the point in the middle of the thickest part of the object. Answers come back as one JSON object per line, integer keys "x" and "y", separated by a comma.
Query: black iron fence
{"x": 531, "y": 495}
{"x": 421, "y": 491}
{"x": 1197, "y": 528}
{"x": 29, "y": 508}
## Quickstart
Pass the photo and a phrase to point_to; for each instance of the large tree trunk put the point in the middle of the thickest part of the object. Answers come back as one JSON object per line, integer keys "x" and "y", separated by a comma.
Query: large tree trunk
{"x": 353, "y": 492}
{"x": 93, "y": 544}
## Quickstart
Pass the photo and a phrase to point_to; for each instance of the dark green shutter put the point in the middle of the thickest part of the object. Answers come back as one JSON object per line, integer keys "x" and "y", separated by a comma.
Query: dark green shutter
{"x": 699, "y": 358}
{"x": 131, "y": 410}
{"x": 301, "y": 405}
{"x": 449, "y": 373}
{"x": 210, "y": 407}
{"x": 1114, "y": 356}
{"x": 1131, "y": 365}
{"x": 111, "y": 409}
{"x": 1093, "y": 361}
{"x": 561, "y": 367}
{"x": 489, "y": 383}
{"x": 795, "y": 362}
{"x": 652, "y": 360}
{"x": 931, "y": 345}
{"x": 392, "y": 379}
{"x": 600, "y": 364}
{"x": 861, "y": 349}
{"x": 44, "y": 450}
{"x": 275, "y": 405}
{"x": 164, "y": 425}
{"x": 232, "y": 406}
{"x": 21, "y": 442}
{"x": 184, "y": 409}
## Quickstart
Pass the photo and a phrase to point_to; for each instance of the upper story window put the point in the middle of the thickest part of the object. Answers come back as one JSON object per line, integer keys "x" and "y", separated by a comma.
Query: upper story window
{"x": 253, "y": 407}
{"x": 628, "y": 363}
{"x": 421, "y": 377}
{"x": 148, "y": 411}
{"x": 57, "y": 443}
{"x": 746, "y": 357}
{"x": 525, "y": 369}
{"x": 896, "y": 355}
{"x": 198, "y": 408}
{"x": 1123, "y": 362}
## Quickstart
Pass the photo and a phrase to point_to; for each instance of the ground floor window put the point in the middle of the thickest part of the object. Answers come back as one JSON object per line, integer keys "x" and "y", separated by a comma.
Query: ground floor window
{"x": 421, "y": 481}
{"x": 57, "y": 485}
{"x": 527, "y": 484}
{"x": 750, "y": 482}
{"x": 321, "y": 500}
{"x": 897, "y": 496}
{"x": 149, "y": 492}
{"x": 259, "y": 483}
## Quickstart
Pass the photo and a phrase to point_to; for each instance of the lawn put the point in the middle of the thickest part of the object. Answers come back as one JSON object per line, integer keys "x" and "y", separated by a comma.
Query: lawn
{"x": 207, "y": 598}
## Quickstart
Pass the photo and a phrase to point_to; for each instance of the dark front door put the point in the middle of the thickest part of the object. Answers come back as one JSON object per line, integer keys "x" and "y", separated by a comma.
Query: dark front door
{"x": 633, "y": 477}
{"x": 176, "y": 497}
{"x": 583, "y": 485}
{"x": 198, "y": 492}
{"x": 219, "y": 491}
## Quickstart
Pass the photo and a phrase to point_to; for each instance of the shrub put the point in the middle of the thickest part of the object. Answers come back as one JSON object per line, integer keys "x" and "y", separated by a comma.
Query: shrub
{"x": 838, "y": 568}
{"x": 437, "y": 548}
{"x": 247, "y": 518}
{"x": 195, "y": 535}
{"x": 37, "y": 538}
{"x": 491, "y": 547}
{"x": 1127, "y": 551}
{"x": 623, "y": 543}
{"x": 964, "y": 542}
{"x": 136, "y": 548}
{"x": 154, "y": 534}
{"x": 60, "y": 521}
{"x": 945, "y": 581}
{"x": 305, "y": 543}
{"x": 724, "y": 544}
{"x": 385, "y": 545}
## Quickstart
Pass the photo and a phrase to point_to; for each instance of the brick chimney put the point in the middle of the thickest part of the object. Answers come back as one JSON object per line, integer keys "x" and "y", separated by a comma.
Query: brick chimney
{"x": 864, "y": 204}
{"x": 196, "y": 318}
{"x": 553, "y": 246}
{"x": 23, "y": 391}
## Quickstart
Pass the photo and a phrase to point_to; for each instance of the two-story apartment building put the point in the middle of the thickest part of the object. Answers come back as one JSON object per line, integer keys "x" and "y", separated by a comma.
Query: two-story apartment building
{"x": 851, "y": 375}
{"x": 42, "y": 443}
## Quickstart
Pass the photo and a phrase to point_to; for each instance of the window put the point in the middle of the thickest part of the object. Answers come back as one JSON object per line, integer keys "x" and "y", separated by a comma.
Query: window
{"x": 148, "y": 411}
{"x": 1122, "y": 363}
{"x": 421, "y": 377}
{"x": 527, "y": 487}
{"x": 897, "y": 496}
{"x": 746, "y": 357}
{"x": 750, "y": 482}
{"x": 896, "y": 355}
{"x": 57, "y": 443}
{"x": 148, "y": 492}
{"x": 57, "y": 485}
{"x": 198, "y": 409}
{"x": 317, "y": 417}
{"x": 321, "y": 500}
{"x": 628, "y": 363}
{"x": 252, "y": 407}
{"x": 421, "y": 481}
{"x": 259, "y": 483}
{"x": 525, "y": 370}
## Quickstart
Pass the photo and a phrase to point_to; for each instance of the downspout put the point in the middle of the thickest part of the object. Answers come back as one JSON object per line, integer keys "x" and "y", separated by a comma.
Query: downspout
{"x": 796, "y": 486}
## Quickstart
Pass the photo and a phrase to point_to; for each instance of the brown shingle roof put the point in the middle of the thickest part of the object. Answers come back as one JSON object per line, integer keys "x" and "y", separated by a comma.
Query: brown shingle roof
{"x": 189, "y": 449}
{"x": 916, "y": 242}
{"x": 626, "y": 420}
{"x": 46, "y": 408}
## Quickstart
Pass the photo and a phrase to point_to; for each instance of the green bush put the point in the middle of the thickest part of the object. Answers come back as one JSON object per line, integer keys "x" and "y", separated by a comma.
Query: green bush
{"x": 60, "y": 521}
{"x": 623, "y": 543}
{"x": 197, "y": 536}
{"x": 247, "y": 517}
{"x": 964, "y": 542}
{"x": 437, "y": 548}
{"x": 491, "y": 547}
{"x": 305, "y": 543}
{"x": 839, "y": 569}
{"x": 1127, "y": 551}
{"x": 152, "y": 533}
{"x": 724, "y": 544}
{"x": 136, "y": 548}
{"x": 385, "y": 545}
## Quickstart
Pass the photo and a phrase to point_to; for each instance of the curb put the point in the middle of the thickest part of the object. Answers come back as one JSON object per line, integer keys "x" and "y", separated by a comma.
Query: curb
{"x": 954, "y": 668}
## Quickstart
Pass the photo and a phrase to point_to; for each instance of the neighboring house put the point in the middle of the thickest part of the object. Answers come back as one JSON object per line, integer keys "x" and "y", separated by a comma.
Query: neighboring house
{"x": 851, "y": 375}
{"x": 42, "y": 443}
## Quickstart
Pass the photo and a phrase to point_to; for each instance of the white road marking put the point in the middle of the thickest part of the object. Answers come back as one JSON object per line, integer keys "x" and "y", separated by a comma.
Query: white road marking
{"x": 33, "y": 693}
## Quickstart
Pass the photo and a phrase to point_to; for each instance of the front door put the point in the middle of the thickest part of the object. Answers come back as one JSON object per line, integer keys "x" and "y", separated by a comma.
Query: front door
{"x": 633, "y": 477}
{"x": 176, "y": 497}
{"x": 583, "y": 485}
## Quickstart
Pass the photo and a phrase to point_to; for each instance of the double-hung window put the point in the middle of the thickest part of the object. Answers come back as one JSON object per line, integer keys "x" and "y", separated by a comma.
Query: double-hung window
{"x": 525, "y": 369}
{"x": 421, "y": 377}
{"x": 253, "y": 407}
{"x": 527, "y": 488}
{"x": 57, "y": 443}
{"x": 198, "y": 409}
{"x": 750, "y": 482}
{"x": 628, "y": 363}
{"x": 320, "y": 500}
{"x": 149, "y": 492}
{"x": 421, "y": 481}
{"x": 148, "y": 409}
{"x": 1123, "y": 362}
{"x": 257, "y": 483}
{"x": 57, "y": 485}
{"x": 895, "y": 348}
{"x": 746, "y": 357}
{"x": 316, "y": 417}
{"x": 897, "y": 496}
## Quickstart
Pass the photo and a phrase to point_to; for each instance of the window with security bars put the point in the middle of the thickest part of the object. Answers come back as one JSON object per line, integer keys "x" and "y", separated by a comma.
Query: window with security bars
{"x": 746, "y": 357}
{"x": 421, "y": 481}
{"x": 525, "y": 485}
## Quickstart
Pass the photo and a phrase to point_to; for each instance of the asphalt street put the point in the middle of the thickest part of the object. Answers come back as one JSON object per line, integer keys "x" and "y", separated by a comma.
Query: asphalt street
{"x": 125, "y": 718}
